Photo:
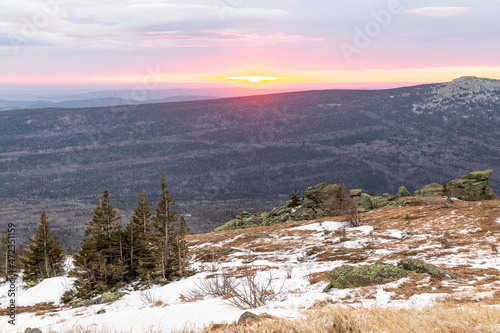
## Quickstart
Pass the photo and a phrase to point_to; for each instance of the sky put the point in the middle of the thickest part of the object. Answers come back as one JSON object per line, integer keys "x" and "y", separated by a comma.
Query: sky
{"x": 289, "y": 44}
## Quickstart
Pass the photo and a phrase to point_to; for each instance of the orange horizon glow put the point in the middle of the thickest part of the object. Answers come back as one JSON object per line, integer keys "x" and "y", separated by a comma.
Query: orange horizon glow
{"x": 301, "y": 78}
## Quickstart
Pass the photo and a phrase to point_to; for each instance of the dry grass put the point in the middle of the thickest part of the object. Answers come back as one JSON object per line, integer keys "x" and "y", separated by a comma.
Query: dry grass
{"x": 442, "y": 318}
{"x": 325, "y": 318}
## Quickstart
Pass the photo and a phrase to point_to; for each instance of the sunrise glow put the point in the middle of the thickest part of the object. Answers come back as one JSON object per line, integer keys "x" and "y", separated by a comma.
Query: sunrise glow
{"x": 254, "y": 79}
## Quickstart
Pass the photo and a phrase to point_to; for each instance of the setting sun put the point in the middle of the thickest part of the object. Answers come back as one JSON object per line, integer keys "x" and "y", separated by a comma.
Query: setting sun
{"x": 254, "y": 79}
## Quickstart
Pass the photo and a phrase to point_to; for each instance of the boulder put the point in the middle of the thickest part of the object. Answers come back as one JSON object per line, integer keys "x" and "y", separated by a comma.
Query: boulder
{"x": 246, "y": 316}
{"x": 355, "y": 193}
{"x": 430, "y": 190}
{"x": 348, "y": 276}
{"x": 243, "y": 221}
{"x": 474, "y": 186}
{"x": 32, "y": 330}
{"x": 322, "y": 194}
{"x": 403, "y": 192}
{"x": 421, "y": 267}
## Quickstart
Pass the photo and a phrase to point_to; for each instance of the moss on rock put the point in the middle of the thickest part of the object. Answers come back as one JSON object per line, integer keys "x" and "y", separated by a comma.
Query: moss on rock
{"x": 474, "y": 186}
{"x": 403, "y": 192}
{"x": 348, "y": 276}
{"x": 421, "y": 267}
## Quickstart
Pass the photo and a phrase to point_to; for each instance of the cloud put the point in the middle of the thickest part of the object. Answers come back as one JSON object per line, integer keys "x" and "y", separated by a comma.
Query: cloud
{"x": 439, "y": 11}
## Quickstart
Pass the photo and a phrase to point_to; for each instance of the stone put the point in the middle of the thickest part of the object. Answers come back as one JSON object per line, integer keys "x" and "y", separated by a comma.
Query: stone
{"x": 421, "y": 267}
{"x": 246, "y": 316}
{"x": 101, "y": 311}
{"x": 243, "y": 221}
{"x": 32, "y": 330}
{"x": 474, "y": 186}
{"x": 348, "y": 276}
{"x": 322, "y": 194}
{"x": 430, "y": 190}
{"x": 355, "y": 193}
{"x": 403, "y": 192}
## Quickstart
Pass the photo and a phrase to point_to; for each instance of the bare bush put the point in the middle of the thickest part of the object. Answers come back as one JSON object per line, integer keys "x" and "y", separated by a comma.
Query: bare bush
{"x": 252, "y": 291}
{"x": 344, "y": 205}
{"x": 216, "y": 286}
{"x": 147, "y": 296}
{"x": 212, "y": 267}
{"x": 245, "y": 292}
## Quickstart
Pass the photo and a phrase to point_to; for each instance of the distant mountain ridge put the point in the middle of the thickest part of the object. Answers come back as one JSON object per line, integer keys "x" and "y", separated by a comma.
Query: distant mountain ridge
{"x": 10, "y": 101}
{"x": 224, "y": 156}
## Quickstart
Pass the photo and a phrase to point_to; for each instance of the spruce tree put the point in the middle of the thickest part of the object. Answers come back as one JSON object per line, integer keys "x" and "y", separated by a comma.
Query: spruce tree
{"x": 180, "y": 248}
{"x": 44, "y": 258}
{"x": 141, "y": 260}
{"x": 163, "y": 230}
{"x": 99, "y": 265}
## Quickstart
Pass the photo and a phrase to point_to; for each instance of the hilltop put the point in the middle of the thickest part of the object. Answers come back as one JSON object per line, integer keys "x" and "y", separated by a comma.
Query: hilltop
{"x": 297, "y": 256}
{"x": 225, "y": 156}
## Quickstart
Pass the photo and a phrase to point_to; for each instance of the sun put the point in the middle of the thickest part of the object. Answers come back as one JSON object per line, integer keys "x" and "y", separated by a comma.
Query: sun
{"x": 254, "y": 79}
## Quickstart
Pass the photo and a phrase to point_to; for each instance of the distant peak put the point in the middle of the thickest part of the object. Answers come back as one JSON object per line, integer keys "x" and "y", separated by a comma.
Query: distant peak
{"x": 473, "y": 79}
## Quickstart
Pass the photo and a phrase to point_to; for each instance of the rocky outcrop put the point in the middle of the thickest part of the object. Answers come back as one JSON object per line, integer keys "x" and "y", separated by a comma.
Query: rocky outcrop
{"x": 322, "y": 194}
{"x": 430, "y": 190}
{"x": 317, "y": 201}
{"x": 243, "y": 221}
{"x": 403, "y": 192}
{"x": 314, "y": 205}
{"x": 348, "y": 276}
{"x": 474, "y": 186}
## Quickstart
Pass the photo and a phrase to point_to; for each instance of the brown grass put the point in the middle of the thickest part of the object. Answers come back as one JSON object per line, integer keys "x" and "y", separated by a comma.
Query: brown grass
{"x": 442, "y": 318}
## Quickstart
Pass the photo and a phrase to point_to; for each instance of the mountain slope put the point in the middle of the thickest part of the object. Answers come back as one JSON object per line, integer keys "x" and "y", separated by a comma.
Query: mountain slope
{"x": 223, "y": 156}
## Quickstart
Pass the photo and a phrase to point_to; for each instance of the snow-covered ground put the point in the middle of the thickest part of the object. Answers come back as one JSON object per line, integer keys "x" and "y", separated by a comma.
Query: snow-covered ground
{"x": 299, "y": 257}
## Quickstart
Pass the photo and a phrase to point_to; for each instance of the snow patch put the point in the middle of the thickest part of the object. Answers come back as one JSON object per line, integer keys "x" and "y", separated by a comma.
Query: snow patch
{"x": 320, "y": 226}
{"x": 47, "y": 291}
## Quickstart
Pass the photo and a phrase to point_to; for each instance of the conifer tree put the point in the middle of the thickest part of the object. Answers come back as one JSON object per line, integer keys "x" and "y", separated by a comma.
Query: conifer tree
{"x": 139, "y": 240}
{"x": 180, "y": 248}
{"x": 163, "y": 230}
{"x": 99, "y": 265}
{"x": 44, "y": 258}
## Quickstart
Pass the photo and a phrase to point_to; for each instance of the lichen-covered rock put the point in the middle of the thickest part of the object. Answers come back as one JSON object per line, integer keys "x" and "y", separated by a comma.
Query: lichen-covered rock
{"x": 348, "y": 276}
{"x": 474, "y": 186}
{"x": 322, "y": 194}
{"x": 430, "y": 190}
{"x": 104, "y": 298}
{"x": 421, "y": 267}
{"x": 403, "y": 192}
{"x": 110, "y": 297}
{"x": 364, "y": 203}
{"x": 355, "y": 193}
{"x": 246, "y": 316}
{"x": 243, "y": 221}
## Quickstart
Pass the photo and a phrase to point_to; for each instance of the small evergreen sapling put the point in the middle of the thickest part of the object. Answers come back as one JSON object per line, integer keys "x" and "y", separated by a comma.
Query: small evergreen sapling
{"x": 44, "y": 257}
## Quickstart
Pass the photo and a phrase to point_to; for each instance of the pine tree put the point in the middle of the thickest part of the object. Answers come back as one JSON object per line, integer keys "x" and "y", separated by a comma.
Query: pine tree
{"x": 4, "y": 256}
{"x": 44, "y": 258}
{"x": 163, "y": 230}
{"x": 100, "y": 263}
